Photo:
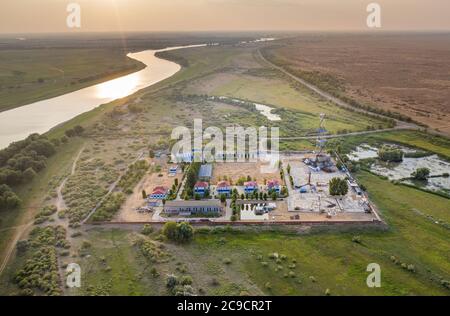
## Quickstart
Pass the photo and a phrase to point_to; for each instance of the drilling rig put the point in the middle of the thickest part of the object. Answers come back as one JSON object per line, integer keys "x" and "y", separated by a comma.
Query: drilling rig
{"x": 321, "y": 142}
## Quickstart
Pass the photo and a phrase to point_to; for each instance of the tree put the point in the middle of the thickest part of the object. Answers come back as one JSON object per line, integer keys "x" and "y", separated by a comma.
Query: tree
{"x": 69, "y": 133}
{"x": 182, "y": 232}
{"x": 147, "y": 230}
{"x": 8, "y": 199}
{"x": 151, "y": 154}
{"x": 42, "y": 147}
{"x": 28, "y": 174}
{"x": 390, "y": 154}
{"x": 170, "y": 230}
{"x": 223, "y": 198}
{"x": 185, "y": 232}
{"x": 144, "y": 194}
{"x": 274, "y": 196}
{"x": 421, "y": 174}
{"x": 288, "y": 168}
{"x": 171, "y": 281}
{"x": 64, "y": 139}
{"x": 338, "y": 186}
{"x": 78, "y": 130}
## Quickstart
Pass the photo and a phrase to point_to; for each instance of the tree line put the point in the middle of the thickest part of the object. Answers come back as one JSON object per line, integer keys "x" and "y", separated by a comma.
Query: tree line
{"x": 22, "y": 160}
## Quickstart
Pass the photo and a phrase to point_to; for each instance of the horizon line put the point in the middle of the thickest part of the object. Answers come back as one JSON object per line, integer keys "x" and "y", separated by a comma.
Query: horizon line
{"x": 373, "y": 31}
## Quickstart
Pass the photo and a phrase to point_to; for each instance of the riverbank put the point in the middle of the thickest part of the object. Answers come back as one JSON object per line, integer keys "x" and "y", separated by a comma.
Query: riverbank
{"x": 41, "y": 116}
{"x": 28, "y": 76}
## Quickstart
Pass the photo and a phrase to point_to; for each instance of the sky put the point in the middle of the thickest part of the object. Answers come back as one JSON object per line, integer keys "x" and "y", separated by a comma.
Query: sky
{"x": 26, "y": 16}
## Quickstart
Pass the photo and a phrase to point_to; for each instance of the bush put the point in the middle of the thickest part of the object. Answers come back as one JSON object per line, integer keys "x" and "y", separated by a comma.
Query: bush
{"x": 171, "y": 281}
{"x": 8, "y": 199}
{"x": 421, "y": 174}
{"x": 389, "y": 154}
{"x": 109, "y": 208}
{"x": 338, "y": 186}
{"x": 182, "y": 232}
{"x": 186, "y": 280}
{"x": 227, "y": 261}
{"x": 147, "y": 230}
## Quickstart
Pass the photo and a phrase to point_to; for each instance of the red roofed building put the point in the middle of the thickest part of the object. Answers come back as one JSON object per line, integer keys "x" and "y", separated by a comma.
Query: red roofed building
{"x": 274, "y": 185}
{"x": 250, "y": 186}
{"x": 159, "y": 193}
{"x": 201, "y": 187}
{"x": 223, "y": 187}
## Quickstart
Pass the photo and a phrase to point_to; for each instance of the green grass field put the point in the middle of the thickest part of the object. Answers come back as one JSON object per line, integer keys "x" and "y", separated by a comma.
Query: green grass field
{"x": 28, "y": 76}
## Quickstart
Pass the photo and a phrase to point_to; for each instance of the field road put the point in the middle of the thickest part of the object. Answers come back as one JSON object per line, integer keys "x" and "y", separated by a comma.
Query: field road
{"x": 339, "y": 102}
{"x": 10, "y": 250}
{"x": 21, "y": 229}
{"x": 346, "y": 134}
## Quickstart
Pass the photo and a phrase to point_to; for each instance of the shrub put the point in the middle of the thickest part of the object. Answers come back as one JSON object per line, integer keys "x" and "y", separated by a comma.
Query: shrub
{"x": 8, "y": 199}
{"x": 147, "y": 230}
{"x": 421, "y": 174}
{"x": 186, "y": 280}
{"x": 227, "y": 261}
{"x": 182, "y": 232}
{"x": 154, "y": 272}
{"x": 215, "y": 282}
{"x": 171, "y": 281}
{"x": 338, "y": 186}
{"x": 389, "y": 154}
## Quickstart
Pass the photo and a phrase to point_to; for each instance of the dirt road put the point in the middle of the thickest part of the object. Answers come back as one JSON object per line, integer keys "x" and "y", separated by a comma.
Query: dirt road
{"x": 22, "y": 229}
{"x": 329, "y": 97}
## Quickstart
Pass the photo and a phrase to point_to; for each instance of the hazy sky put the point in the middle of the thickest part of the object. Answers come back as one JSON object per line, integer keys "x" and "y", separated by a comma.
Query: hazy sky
{"x": 22, "y": 16}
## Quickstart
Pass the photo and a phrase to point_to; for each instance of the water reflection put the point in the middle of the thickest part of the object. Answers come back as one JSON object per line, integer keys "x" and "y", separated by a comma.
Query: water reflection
{"x": 39, "y": 117}
{"x": 118, "y": 88}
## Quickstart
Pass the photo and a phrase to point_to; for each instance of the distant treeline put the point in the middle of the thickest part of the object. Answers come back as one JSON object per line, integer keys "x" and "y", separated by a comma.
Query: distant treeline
{"x": 22, "y": 160}
{"x": 172, "y": 56}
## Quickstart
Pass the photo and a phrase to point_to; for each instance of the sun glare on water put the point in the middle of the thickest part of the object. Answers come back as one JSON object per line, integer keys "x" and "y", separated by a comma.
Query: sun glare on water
{"x": 117, "y": 88}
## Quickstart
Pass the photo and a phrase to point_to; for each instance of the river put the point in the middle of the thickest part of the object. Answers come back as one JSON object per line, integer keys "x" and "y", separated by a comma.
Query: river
{"x": 39, "y": 117}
